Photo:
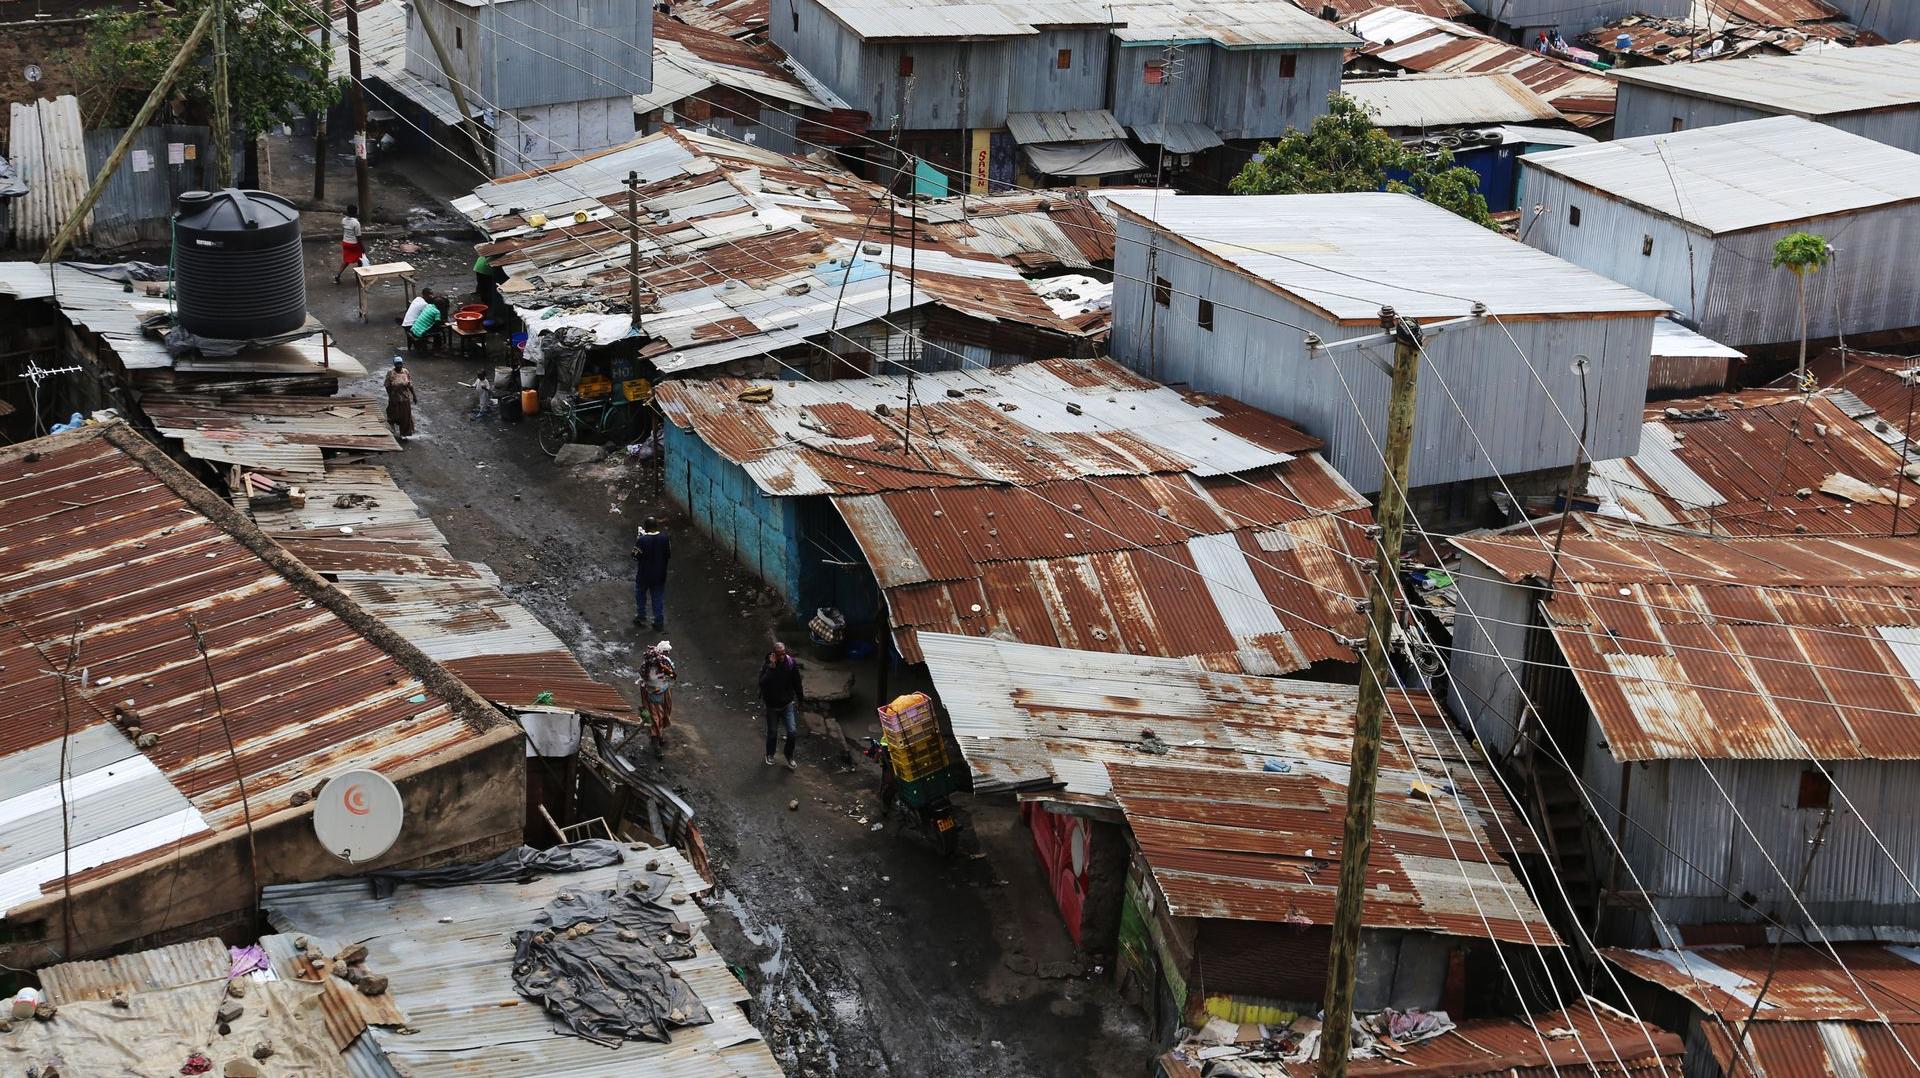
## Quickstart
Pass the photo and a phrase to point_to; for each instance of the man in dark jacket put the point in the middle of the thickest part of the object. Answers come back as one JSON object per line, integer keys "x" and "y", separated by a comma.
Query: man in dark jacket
{"x": 650, "y": 554}
{"x": 780, "y": 690}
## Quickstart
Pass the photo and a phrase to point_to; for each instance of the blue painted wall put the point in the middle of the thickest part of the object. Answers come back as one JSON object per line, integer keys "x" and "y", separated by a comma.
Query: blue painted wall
{"x": 790, "y": 543}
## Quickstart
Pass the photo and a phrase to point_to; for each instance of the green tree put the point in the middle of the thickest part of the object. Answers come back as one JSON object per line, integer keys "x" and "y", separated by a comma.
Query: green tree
{"x": 271, "y": 64}
{"x": 1802, "y": 253}
{"x": 1343, "y": 151}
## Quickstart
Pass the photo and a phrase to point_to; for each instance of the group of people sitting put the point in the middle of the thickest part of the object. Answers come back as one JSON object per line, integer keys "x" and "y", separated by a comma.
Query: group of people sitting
{"x": 425, "y": 322}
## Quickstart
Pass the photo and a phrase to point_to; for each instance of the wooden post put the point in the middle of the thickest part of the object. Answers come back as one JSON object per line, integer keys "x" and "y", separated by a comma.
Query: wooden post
{"x": 1364, "y": 767}
{"x": 222, "y": 102}
{"x": 147, "y": 109}
{"x": 467, "y": 123}
{"x": 363, "y": 184}
{"x": 320, "y": 121}
{"x": 633, "y": 246}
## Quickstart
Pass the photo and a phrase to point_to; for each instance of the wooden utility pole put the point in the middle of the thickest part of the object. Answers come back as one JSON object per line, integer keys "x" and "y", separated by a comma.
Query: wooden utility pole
{"x": 222, "y": 103}
{"x": 147, "y": 109}
{"x": 361, "y": 182}
{"x": 1364, "y": 768}
{"x": 633, "y": 246}
{"x": 320, "y": 120}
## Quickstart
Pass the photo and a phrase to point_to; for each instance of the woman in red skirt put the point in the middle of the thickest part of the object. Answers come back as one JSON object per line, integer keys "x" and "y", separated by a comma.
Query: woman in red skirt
{"x": 350, "y": 250}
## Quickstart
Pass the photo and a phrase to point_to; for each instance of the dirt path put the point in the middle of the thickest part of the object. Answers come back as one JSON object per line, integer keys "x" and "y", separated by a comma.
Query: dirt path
{"x": 869, "y": 954}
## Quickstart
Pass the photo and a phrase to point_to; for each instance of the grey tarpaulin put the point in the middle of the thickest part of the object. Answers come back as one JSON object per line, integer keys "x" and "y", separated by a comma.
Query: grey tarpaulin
{"x": 597, "y": 960}
{"x": 515, "y": 864}
{"x": 1082, "y": 158}
{"x": 122, "y": 271}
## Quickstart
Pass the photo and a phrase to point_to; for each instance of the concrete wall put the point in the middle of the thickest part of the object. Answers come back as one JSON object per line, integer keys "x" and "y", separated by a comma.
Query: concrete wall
{"x": 1475, "y": 382}
{"x": 545, "y": 134}
{"x": 760, "y": 532}
{"x": 458, "y": 807}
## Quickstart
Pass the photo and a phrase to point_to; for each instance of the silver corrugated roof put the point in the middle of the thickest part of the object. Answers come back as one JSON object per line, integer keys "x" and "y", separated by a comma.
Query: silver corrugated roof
{"x": 1828, "y": 82}
{"x": 1732, "y": 177}
{"x": 1449, "y": 100}
{"x": 1671, "y": 340}
{"x": 1077, "y": 125}
{"x": 1228, "y": 23}
{"x": 1179, "y": 137}
{"x": 383, "y": 56}
{"x": 1349, "y": 254}
{"x": 448, "y": 956}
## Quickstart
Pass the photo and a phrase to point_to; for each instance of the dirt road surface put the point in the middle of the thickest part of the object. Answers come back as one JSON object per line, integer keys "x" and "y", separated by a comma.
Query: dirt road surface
{"x": 867, "y": 953}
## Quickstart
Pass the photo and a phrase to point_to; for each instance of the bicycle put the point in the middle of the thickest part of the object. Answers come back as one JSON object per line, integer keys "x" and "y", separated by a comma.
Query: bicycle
{"x": 611, "y": 418}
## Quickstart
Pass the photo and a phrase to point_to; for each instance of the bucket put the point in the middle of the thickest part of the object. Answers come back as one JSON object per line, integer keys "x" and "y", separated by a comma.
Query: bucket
{"x": 529, "y": 402}
{"x": 528, "y": 376}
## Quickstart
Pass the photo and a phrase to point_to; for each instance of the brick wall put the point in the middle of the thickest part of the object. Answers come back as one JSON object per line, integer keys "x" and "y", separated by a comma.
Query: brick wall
{"x": 50, "y": 33}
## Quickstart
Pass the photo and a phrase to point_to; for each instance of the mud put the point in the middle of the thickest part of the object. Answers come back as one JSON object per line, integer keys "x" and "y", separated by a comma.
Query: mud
{"x": 867, "y": 953}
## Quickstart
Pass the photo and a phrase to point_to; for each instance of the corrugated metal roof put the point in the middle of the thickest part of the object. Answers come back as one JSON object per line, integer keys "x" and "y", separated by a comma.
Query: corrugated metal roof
{"x": 1596, "y": 1040}
{"x": 144, "y": 971}
{"x": 1242, "y": 577}
{"x": 279, "y": 432}
{"x": 1448, "y": 99}
{"x": 1753, "y": 174}
{"x": 1351, "y": 9}
{"x": 1887, "y": 384}
{"x": 1671, "y": 340}
{"x": 1849, "y": 1049}
{"x": 1225, "y": 833}
{"x": 1804, "y": 985}
{"x": 1179, "y": 137}
{"x": 744, "y": 251}
{"x": 1228, "y": 23}
{"x": 1350, "y": 254}
{"x": 1079, "y": 125}
{"x": 687, "y": 59}
{"x": 1028, "y": 423}
{"x": 447, "y": 952}
{"x": 99, "y": 547}
{"x": 1680, "y": 656}
{"x": 383, "y": 57}
{"x": 1415, "y": 41}
{"x": 1777, "y": 463}
{"x": 1830, "y": 82}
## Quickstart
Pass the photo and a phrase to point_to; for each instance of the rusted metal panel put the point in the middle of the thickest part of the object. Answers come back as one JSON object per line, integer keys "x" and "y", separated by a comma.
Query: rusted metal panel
{"x": 1804, "y": 985}
{"x": 1418, "y": 41}
{"x": 350, "y": 423}
{"x": 145, "y": 971}
{"x": 98, "y": 554}
{"x": 1679, "y": 656}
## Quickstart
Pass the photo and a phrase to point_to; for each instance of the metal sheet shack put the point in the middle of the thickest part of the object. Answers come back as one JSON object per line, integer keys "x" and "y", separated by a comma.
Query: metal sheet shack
{"x": 1871, "y": 92}
{"x": 1062, "y": 503}
{"x": 100, "y": 599}
{"x": 1222, "y": 293}
{"x": 983, "y": 90}
{"x": 1211, "y": 867}
{"x": 1682, "y": 677}
{"x": 1692, "y": 217}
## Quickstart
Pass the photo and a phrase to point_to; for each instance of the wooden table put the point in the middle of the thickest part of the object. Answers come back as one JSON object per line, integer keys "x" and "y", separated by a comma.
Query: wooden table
{"x": 385, "y": 271}
{"x": 469, "y": 340}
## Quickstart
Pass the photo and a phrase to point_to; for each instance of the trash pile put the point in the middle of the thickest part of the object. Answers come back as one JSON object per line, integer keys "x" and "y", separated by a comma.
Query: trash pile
{"x": 598, "y": 962}
{"x": 1226, "y": 1049}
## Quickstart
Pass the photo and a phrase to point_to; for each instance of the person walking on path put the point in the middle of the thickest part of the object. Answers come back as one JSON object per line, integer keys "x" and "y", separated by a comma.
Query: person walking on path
{"x": 650, "y": 554}
{"x": 780, "y": 691}
{"x": 400, "y": 399}
{"x": 351, "y": 253}
{"x": 657, "y": 675}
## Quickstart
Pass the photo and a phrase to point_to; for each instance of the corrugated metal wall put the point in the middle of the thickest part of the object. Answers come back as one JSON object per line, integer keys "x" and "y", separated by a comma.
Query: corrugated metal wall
{"x": 583, "y": 60}
{"x": 1647, "y": 110}
{"x": 1251, "y": 99}
{"x": 137, "y": 206}
{"x": 48, "y": 148}
{"x": 1036, "y": 82}
{"x": 462, "y": 30}
{"x": 1853, "y": 884}
{"x": 1185, "y": 97}
{"x": 1748, "y": 302}
{"x": 1265, "y": 363}
{"x": 1484, "y": 691}
{"x": 1611, "y": 236}
{"x": 828, "y": 50}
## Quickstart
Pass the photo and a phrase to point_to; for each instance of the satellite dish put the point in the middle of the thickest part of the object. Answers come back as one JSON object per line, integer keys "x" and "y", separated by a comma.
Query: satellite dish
{"x": 32, "y": 72}
{"x": 358, "y": 815}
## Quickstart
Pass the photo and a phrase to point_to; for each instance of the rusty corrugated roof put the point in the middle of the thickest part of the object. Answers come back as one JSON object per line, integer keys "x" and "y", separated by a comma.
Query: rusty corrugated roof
{"x": 1415, "y": 41}
{"x": 1804, "y": 985}
{"x": 1772, "y": 463}
{"x": 105, "y": 554}
{"x": 1888, "y": 384}
{"x": 1765, "y": 649}
{"x": 1240, "y": 817}
{"x": 231, "y": 429}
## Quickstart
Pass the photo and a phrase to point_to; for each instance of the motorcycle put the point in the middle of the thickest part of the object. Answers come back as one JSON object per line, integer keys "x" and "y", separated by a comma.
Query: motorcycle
{"x": 923, "y": 802}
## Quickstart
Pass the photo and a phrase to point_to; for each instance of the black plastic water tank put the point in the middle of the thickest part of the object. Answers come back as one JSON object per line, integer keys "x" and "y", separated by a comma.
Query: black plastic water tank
{"x": 237, "y": 273}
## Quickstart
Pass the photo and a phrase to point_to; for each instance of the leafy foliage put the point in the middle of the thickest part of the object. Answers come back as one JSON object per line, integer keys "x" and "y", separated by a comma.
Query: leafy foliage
{"x": 1801, "y": 252}
{"x": 270, "y": 64}
{"x": 1344, "y": 151}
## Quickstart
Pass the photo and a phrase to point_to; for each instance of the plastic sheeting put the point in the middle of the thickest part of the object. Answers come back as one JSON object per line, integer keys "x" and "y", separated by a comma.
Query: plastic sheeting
{"x": 515, "y": 864}
{"x": 1082, "y": 158}
{"x": 598, "y": 962}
